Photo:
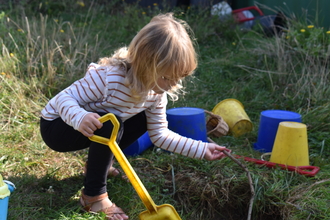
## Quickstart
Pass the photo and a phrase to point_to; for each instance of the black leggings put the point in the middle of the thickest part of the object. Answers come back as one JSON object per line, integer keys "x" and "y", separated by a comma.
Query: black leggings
{"x": 61, "y": 137}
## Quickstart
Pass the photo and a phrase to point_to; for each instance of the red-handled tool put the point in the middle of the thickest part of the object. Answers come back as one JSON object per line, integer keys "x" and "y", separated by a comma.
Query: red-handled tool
{"x": 240, "y": 16}
{"x": 303, "y": 170}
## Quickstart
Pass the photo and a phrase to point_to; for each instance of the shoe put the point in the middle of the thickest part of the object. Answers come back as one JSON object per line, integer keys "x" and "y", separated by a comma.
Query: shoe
{"x": 112, "y": 212}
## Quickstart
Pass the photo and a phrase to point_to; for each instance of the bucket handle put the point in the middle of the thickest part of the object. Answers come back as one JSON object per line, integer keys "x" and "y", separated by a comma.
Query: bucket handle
{"x": 218, "y": 125}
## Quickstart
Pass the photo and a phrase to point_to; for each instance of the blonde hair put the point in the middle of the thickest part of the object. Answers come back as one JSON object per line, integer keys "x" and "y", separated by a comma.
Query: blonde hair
{"x": 165, "y": 46}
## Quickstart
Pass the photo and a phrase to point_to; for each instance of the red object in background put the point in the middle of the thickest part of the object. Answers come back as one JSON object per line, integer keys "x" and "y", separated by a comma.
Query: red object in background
{"x": 240, "y": 16}
{"x": 303, "y": 170}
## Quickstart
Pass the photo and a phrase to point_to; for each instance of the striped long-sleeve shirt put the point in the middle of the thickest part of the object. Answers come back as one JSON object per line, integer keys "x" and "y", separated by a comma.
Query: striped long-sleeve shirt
{"x": 102, "y": 89}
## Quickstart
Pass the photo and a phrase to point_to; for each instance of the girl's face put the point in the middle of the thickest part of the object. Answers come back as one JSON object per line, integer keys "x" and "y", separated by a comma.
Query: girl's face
{"x": 164, "y": 84}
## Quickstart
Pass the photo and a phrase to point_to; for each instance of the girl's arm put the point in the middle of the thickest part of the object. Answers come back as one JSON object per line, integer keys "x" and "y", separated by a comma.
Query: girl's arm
{"x": 85, "y": 91}
{"x": 162, "y": 137}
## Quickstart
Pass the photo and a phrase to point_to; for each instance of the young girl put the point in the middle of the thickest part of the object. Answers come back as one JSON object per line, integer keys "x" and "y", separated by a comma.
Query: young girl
{"x": 133, "y": 84}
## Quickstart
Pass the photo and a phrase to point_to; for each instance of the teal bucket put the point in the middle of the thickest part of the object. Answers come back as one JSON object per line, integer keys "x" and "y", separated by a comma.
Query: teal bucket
{"x": 188, "y": 122}
{"x": 140, "y": 145}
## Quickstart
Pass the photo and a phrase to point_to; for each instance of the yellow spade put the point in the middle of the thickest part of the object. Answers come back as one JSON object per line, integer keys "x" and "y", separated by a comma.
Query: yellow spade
{"x": 153, "y": 212}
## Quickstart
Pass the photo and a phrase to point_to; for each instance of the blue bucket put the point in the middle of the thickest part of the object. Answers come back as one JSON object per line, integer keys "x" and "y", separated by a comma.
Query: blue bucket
{"x": 269, "y": 121}
{"x": 140, "y": 145}
{"x": 4, "y": 201}
{"x": 188, "y": 122}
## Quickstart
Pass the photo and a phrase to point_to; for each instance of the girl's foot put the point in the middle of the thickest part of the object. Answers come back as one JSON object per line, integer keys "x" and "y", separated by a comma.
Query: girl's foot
{"x": 102, "y": 203}
{"x": 112, "y": 172}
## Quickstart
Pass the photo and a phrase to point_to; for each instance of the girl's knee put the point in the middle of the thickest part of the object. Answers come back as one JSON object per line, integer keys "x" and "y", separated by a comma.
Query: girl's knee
{"x": 107, "y": 129}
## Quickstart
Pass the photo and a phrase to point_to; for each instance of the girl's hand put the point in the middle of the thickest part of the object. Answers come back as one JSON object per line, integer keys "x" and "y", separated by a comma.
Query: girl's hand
{"x": 215, "y": 152}
{"x": 89, "y": 124}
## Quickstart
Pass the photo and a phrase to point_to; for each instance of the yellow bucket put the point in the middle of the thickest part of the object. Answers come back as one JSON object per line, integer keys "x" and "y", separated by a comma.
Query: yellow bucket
{"x": 232, "y": 111}
{"x": 291, "y": 144}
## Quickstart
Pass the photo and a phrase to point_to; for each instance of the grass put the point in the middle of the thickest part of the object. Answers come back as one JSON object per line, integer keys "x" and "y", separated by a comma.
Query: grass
{"x": 46, "y": 46}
